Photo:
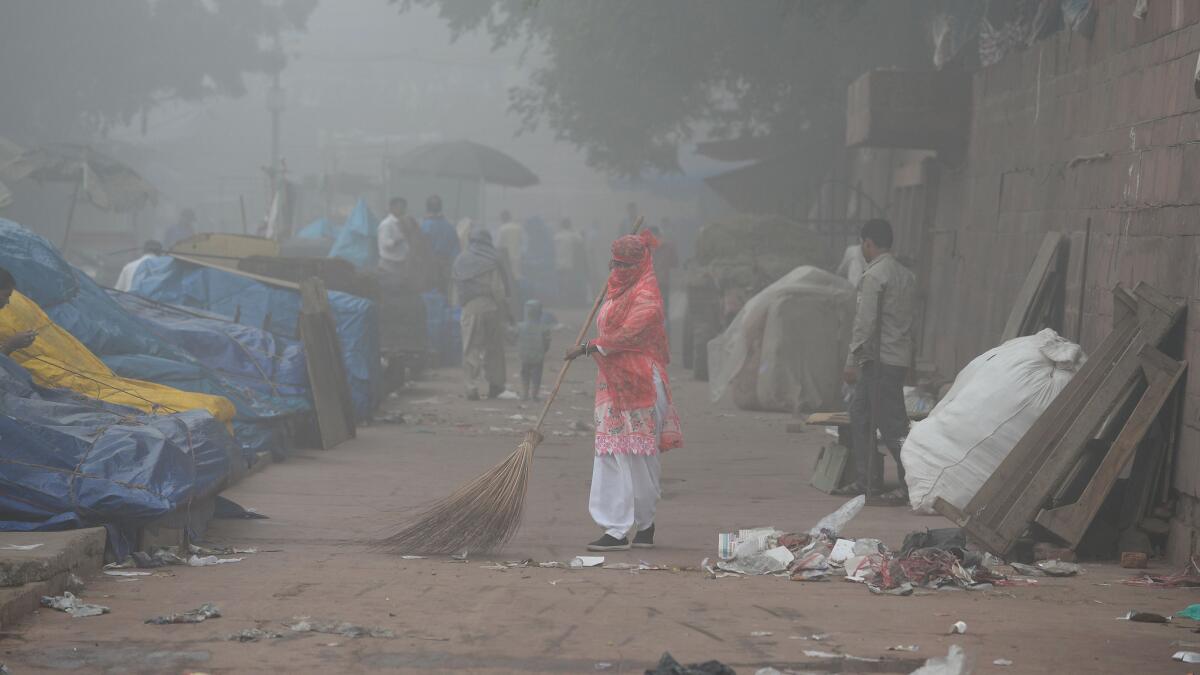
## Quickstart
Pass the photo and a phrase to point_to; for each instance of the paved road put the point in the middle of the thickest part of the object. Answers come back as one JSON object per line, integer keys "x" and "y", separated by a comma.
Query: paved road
{"x": 739, "y": 470}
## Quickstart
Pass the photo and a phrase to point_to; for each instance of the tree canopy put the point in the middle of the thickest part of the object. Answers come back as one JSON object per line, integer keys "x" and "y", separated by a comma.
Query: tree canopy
{"x": 629, "y": 81}
{"x": 71, "y": 69}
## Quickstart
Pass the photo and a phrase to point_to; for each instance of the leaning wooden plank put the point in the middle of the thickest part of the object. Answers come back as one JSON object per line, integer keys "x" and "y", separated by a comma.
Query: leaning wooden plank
{"x": 1071, "y": 521}
{"x": 326, "y": 374}
{"x": 316, "y": 301}
{"x": 1035, "y": 284}
{"x": 996, "y": 492}
{"x": 1039, "y": 480}
{"x": 990, "y": 516}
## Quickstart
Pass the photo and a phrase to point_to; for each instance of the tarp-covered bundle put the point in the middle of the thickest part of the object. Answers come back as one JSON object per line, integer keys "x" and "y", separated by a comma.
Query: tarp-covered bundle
{"x": 275, "y": 308}
{"x": 785, "y": 349}
{"x": 123, "y": 341}
{"x": 356, "y": 240}
{"x": 57, "y": 359}
{"x": 271, "y": 365}
{"x": 70, "y": 461}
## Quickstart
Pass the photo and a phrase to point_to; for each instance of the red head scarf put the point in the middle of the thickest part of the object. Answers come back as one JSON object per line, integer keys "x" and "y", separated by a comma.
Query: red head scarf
{"x": 633, "y": 324}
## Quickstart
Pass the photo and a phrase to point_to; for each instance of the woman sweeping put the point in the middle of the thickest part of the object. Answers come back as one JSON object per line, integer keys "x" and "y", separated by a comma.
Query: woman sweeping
{"x": 635, "y": 418}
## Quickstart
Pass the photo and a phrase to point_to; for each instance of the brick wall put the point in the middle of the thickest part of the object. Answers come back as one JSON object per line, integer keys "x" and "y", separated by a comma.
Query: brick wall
{"x": 1123, "y": 99}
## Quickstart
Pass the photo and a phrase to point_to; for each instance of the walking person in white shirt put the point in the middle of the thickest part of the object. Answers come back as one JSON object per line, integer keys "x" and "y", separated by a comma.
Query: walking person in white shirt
{"x": 151, "y": 249}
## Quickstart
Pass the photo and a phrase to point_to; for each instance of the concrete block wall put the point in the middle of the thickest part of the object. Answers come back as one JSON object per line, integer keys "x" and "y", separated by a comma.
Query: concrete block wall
{"x": 1075, "y": 132}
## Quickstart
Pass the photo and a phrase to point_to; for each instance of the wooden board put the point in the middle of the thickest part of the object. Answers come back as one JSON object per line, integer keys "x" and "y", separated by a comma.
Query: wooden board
{"x": 830, "y": 471}
{"x": 1011, "y": 498}
{"x": 224, "y": 249}
{"x": 204, "y": 262}
{"x": 1070, "y": 522}
{"x": 1036, "y": 291}
{"x": 327, "y": 379}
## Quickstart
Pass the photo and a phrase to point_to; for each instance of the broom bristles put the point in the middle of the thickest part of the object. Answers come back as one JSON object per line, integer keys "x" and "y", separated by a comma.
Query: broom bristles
{"x": 478, "y": 517}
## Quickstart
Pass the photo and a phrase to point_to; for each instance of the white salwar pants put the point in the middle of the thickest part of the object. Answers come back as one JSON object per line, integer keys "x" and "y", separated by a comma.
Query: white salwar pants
{"x": 625, "y": 487}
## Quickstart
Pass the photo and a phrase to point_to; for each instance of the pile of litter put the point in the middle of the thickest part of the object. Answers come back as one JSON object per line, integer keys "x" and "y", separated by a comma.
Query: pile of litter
{"x": 932, "y": 560}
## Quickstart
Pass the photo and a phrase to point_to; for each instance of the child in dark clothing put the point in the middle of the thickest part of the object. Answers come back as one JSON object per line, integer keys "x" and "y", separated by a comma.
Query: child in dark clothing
{"x": 533, "y": 341}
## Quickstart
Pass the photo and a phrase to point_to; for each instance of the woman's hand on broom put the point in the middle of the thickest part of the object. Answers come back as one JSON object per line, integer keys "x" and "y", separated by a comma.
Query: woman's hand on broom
{"x": 575, "y": 352}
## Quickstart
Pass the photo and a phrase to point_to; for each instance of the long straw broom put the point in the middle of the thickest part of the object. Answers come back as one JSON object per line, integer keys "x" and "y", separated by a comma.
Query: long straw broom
{"x": 484, "y": 514}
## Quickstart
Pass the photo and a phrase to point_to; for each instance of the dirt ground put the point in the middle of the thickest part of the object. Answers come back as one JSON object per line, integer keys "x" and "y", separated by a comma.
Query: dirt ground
{"x": 739, "y": 469}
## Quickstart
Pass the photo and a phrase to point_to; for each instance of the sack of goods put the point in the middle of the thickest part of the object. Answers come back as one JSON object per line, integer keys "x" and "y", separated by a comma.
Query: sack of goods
{"x": 785, "y": 349}
{"x": 993, "y": 402}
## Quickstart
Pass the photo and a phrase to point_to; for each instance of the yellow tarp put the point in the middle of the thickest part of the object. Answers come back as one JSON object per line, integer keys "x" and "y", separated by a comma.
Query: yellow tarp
{"x": 57, "y": 359}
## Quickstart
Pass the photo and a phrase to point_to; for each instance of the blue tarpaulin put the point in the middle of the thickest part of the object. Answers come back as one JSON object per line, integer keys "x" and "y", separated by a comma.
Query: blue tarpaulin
{"x": 70, "y": 461}
{"x": 356, "y": 240}
{"x": 321, "y": 228}
{"x": 269, "y": 364}
{"x": 275, "y": 308}
{"x": 125, "y": 342}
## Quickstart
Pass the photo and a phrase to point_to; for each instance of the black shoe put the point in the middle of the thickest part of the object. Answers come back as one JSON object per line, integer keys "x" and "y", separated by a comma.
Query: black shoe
{"x": 644, "y": 538}
{"x": 607, "y": 543}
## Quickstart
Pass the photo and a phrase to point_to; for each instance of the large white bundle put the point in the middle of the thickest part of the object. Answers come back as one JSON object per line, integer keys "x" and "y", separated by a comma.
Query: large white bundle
{"x": 993, "y": 402}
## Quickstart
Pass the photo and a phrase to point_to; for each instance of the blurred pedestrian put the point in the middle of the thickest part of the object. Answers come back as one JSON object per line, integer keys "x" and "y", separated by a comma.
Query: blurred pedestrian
{"x": 533, "y": 341}
{"x": 443, "y": 241}
{"x": 570, "y": 263}
{"x": 510, "y": 238}
{"x": 151, "y": 249}
{"x": 481, "y": 288}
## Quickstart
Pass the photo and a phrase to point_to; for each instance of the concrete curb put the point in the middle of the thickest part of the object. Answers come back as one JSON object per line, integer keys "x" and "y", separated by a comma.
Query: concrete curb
{"x": 25, "y": 576}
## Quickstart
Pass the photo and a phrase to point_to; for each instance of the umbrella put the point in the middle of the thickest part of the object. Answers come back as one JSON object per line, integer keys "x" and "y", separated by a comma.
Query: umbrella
{"x": 468, "y": 160}
{"x": 106, "y": 182}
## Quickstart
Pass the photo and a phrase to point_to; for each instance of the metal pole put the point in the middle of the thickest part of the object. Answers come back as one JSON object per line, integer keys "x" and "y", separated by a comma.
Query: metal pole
{"x": 242, "y": 204}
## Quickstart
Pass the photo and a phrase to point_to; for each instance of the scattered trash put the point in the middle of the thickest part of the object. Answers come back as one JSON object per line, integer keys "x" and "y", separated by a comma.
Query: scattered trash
{"x": 1187, "y": 657}
{"x": 587, "y": 561}
{"x": 209, "y": 560}
{"x": 1187, "y": 577}
{"x": 1135, "y": 560}
{"x": 227, "y": 508}
{"x": 603, "y": 665}
{"x": 126, "y": 573}
{"x": 1190, "y": 612}
{"x": 761, "y": 633}
{"x": 815, "y": 637}
{"x": 837, "y": 521}
{"x": 201, "y": 613}
{"x": 67, "y": 602}
{"x": 953, "y": 663}
{"x": 816, "y": 654}
{"x": 304, "y": 624}
{"x": 225, "y": 550}
{"x": 767, "y": 562}
{"x": 667, "y": 665}
{"x": 508, "y": 396}
{"x": 19, "y": 547}
{"x": 1058, "y": 568}
{"x": 1002, "y": 662}
{"x": 1029, "y": 570}
{"x": 904, "y": 648}
{"x": 412, "y": 557}
{"x": 518, "y": 418}
{"x": 959, "y": 628}
{"x": 1143, "y": 617}
{"x": 767, "y": 671}
{"x": 253, "y": 635}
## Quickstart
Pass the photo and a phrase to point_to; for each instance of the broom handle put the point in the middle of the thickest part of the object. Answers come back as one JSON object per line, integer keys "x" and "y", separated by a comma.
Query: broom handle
{"x": 587, "y": 325}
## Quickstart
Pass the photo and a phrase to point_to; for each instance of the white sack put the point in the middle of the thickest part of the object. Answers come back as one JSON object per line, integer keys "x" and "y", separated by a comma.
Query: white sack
{"x": 785, "y": 349}
{"x": 993, "y": 402}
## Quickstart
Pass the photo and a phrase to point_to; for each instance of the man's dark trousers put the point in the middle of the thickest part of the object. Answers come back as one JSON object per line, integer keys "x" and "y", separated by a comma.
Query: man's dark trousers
{"x": 878, "y": 397}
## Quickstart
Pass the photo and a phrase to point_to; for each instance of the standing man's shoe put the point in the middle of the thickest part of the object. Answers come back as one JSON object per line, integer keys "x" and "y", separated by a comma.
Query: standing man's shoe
{"x": 608, "y": 543}
{"x": 644, "y": 538}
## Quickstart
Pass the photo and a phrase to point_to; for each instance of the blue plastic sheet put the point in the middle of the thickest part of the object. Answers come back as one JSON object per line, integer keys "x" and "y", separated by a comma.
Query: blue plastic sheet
{"x": 277, "y": 309}
{"x": 254, "y": 358}
{"x": 70, "y": 461}
{"x": 356, "y": 240}
{"x": 125, "y": 342}
{"x": 320, "y": 228}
